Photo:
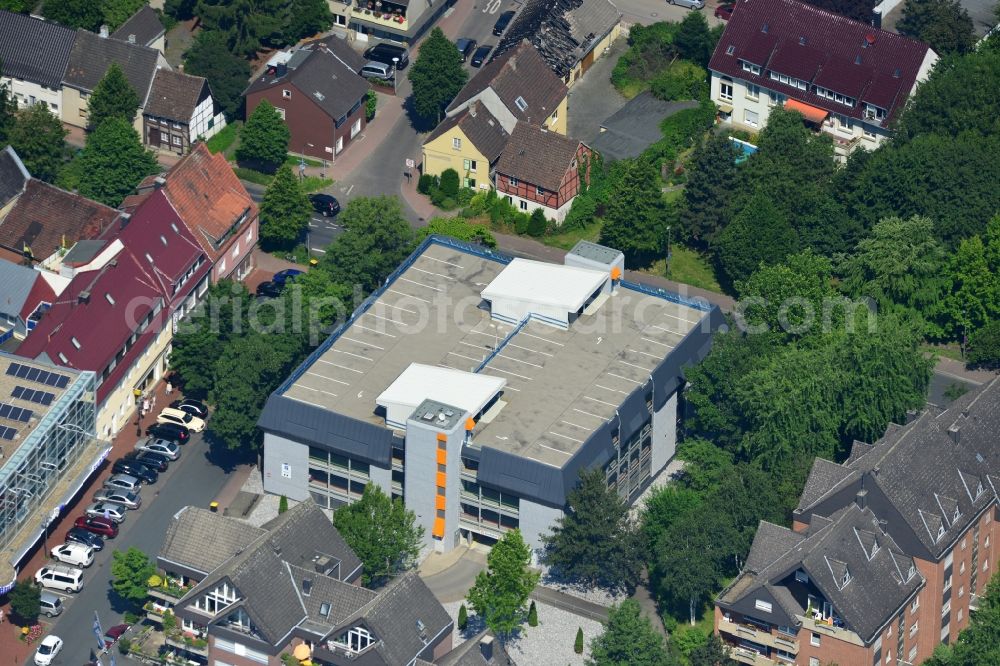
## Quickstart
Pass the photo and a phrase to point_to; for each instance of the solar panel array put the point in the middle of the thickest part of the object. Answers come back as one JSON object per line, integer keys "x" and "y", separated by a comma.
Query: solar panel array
{"x": 7, "y": 433}
{"x": 15, "y": 413}
{"x": 37, "y": 375}
{"x": 32, "y": 395}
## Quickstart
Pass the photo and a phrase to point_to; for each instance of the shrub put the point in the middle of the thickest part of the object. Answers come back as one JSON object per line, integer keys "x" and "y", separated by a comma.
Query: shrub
{"x": 124, "y": 645}
{"x": 449, "y": 183}
{"x": 984, "y": 347}
{"x": 581, "y": 212}
{"x": 578, "y": 643}
{"x": 447, "y": 203}
{"x": 521, "y": 222}
{"x": 426, "y": 183}
{"x": 537, "y": 224}
{"x": 282, "y": 505}
{"x": 682, "y": 80}
{"x": 463, "y": 618}
{"x": 532, "y": 615}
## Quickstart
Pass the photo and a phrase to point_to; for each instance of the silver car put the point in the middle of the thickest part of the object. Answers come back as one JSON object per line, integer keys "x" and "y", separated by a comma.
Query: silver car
{"x": 690, "y": 4}
{"x": 115, "y": 512}
{"x": 164, "y": 447}
{"x": 128, "y": 498}
{"x": 123, "y": 482}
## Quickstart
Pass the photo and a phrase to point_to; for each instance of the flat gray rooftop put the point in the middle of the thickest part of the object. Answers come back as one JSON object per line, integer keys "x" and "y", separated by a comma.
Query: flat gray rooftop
{"x": 561, "y": 384}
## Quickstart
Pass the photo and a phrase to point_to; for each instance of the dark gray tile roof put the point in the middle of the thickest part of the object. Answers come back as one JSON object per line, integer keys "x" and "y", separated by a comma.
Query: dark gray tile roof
{"x": 562, "y": 30}
{"x": 635, "y": 126}
{"x": 823, "y": 477}
{"x": 771, "y": 542}
{"x": 922, "y": 477}
{"x": 143, "y": 27}
{"x": 343, "y": 599}
{"x": 203, "y": 541}
{"x": 470, "y": 653}
{"x": 538, "y": 157}
{"x": 83, "y": 252}
{"x": 175, "y": 95}
{"x": 480, "y": 127}
{"x": 340, "y": 48}
{"x": 866, "y": 587}
{"x": 520, "y": 72}
{"x": 92, "y": 55}
{"x": 323, "y": 77}
{"x": 13, "y": 175}
{"x": 17, "y": 282}
{"x": 34, "y": 50}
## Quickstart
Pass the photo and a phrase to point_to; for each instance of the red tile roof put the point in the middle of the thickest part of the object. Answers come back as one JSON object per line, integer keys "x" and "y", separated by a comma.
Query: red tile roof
{"x": 45, "y": 216}
{"x": 825, "y": 49}
{"x": 208, "y": 196}
{"x": 142, "y": 274}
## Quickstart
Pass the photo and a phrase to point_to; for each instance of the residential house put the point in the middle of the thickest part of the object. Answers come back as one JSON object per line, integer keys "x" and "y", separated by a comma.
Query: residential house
{"x": 43, "y": 221}
{"x": 143, "y": 28}
{"x": 540, "y": 169}
{"x": 403, "y": 21}
{"x": 34, "y": 54}
{"x": 847, "y": 78}
{"x": 90, "y": 59}
{"x": 252, "y": 594}
{"x": 25, "y": 294}
{"x": 481, "y": 650}
{"x": 517, "y": 87}
{"x": 470, "y": 142}
{"x": 917, "y": 549}
{"x": 569, "y": 34}
{"x": 214, "y": 206}
{"x": 179, "y": 111}
{"x": 318, "y": 93}
{"x": 117, "y": 315}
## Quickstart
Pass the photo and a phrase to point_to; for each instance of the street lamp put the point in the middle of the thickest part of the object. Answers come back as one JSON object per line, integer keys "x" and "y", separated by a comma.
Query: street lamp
{"x": 395, "y": 69}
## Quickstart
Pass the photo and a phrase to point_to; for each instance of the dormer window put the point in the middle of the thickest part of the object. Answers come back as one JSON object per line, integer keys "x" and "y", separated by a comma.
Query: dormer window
{"x": 979, "y": 489}
{"x": 287, "y": 94}
{"x": 911, "y": 572}
{"x": 355, "y": 640}
{"x": 846, "y": 578}
{"x": 873, "y": 112}
{"x": 940, "y": 532}
{"x": 750, "y": 67}
{"x": 955, "y": 515}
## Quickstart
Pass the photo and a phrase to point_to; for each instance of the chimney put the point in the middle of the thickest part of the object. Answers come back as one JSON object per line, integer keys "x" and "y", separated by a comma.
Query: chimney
{"x": 877, "y": 18}
{"x": 124, "y": 218}
{"x": 955, "y": 432}
{"x": 280, "y": 70}
{"x": 131, "y": 39}
{"x": 104, "y": 31}
{"x": 486, "y": 648}
{"x": 473, "y": 107}
{"x": 159, "y": 182}
{"x": 861, "y": 499}
{"x": 83, "y": 297}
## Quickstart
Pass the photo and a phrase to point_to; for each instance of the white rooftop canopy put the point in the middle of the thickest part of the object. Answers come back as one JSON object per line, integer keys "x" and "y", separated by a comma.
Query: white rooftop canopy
{"x": 550, "y": 290}
{"x": 466, "y": 390}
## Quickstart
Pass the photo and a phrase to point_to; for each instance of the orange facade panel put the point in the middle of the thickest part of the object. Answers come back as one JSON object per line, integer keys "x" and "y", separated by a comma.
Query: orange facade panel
{"x": 441, "y": 437}
{"x": 439, "y": 503}
{"x": 438, "y": 530}
{"x": 441, "y": 478}
{"x": 442, "y": 457}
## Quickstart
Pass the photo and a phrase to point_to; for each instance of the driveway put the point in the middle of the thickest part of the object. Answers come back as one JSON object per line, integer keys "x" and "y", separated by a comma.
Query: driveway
{"x": 645, "y": 12}
{"x": 593, "y": 98}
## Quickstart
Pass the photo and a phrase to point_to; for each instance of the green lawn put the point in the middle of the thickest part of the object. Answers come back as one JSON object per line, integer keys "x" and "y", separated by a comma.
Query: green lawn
{"x": 224, "y": 141}
{"x": 569, "y": 238}
{"x": 687, "y": 266}
{"x": 309, "y": 183}
{"x": 952, "y": 351}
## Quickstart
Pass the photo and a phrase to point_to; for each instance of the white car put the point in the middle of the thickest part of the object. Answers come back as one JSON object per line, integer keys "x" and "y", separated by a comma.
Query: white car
{"x": 115, "y": 512}
{"x": 181, "y": 418}
{"x": 47, "y": 650}
{"x": 77, "y": 554}
{"x": 162, "y": 446}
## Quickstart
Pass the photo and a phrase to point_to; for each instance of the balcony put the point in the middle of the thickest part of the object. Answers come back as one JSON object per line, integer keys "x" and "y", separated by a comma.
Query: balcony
{"x": 821, "y": 626}
{"x": 194, "y": 645}
{"x": 745, "y": 656}
{"x": 381, "y": 13}
{"x": 843, "y": 145}
{"x": 758, "y": 635}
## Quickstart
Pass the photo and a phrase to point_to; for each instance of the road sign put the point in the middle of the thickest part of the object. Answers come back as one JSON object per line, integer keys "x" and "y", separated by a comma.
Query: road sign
{"x": 410, "y": 163}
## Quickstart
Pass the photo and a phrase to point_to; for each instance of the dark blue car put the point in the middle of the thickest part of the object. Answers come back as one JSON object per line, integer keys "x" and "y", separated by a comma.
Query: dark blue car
{"x": 283, "y": 276}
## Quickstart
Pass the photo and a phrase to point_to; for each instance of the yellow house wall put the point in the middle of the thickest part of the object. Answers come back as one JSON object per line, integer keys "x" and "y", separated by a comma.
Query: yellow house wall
{"x": 598, "y": 51}
{"x": 559, "y": 124}
{"x": 439, "y": 155}
{"x": 118, "y": 409}
{"x": 74, "y": 110}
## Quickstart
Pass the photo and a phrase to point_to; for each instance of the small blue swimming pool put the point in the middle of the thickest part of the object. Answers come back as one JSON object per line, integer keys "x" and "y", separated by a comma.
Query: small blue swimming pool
{"x": 746, "y": 149}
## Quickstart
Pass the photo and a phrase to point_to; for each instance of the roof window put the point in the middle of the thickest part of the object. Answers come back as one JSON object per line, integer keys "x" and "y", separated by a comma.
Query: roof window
{"x": 802, "y": 41}
{"x": 764, "y": 28}
{"x": 110, "y": 298}
{"x": 76, "y": 343}
{"x": 174, "y": 227}
{"x": 163, "y": 239}
{"x": 149, "y": 257}
{"x": 731, "y": 49}
{"x": 521, "y": 104}
{"x": 62, "y": 357}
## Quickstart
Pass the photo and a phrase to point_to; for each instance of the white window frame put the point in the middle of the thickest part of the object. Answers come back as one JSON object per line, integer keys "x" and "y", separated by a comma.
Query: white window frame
{"x": 281, "y": 112}
{"x": 753, "y": 92}
{"x": 726, "y": 89}
{"x": 814, "y": 639}
{"x": 456, "y": 143}
{"x": 750, "y": 67}
{"x": 286, "y": 93}
{"x": 746, "y": 118}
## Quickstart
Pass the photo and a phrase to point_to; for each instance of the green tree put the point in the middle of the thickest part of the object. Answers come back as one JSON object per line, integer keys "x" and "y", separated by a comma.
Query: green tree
{"x": 305, "y": 18}
{"x": 979, "y": 643}
{"x": 18, "y": 6}
{"x": 662, "y": 508}
{"x": 790, "y": 297}
{"x": 436, "y": 76}
{"x": 537, "y": 224}
{"x": 375, "y": 241}
{"x": 712, "y": 177}
{"x": 595, "y": 541}
{"x": 116, "y": 12}
{"x": 113, "y": 97}
{"x": 578, "y": 641}
{"x": 284, "y": 212}
{"x": 532, "y": 615}
{"x": 8, "y": 110}
{"x": 248, "y": 25}
{"x": 460, "y": 228}
{"x": 383, "y": 533}
{"x": 25, "y": 601}
{"x": 182, "y": 10}
{"x": 463, "y": 618}
{"x": 974, "y": 297}
{"x": 130, "y": 571}
{"x": 264, "y": 139}
{"x": 84, "y": 14}
{"x": 40, "y": 141}
{"x": 944, "y": 24}
{"x": 693, "y": 40}
{"x": 371, "y": 105}
{"x": 501, "y": 590}
{"x": 628, "y": 639}
{"x": 713, "y": 652}
{"x": 635, "y": 221}
{"x": 282, "y": 505}
{"x": 984, "y": 346}
{"x": 449, "y": 183}
{"x": 227, "y": 74}
{"x": 113, "y": 162}
{"x": 759, "y": 234}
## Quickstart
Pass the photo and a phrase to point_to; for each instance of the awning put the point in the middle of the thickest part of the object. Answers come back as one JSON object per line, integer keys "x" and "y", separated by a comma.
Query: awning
{"x": 812, "y": 113}
{"x": 726, "y": 108}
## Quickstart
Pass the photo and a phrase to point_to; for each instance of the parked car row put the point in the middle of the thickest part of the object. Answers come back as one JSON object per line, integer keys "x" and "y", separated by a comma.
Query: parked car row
{"x": 384, "y": 60}
{"x": 467, "y": 47}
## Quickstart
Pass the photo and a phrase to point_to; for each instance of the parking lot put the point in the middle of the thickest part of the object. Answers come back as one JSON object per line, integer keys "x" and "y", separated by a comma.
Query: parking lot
{"x": 197, "y": 478}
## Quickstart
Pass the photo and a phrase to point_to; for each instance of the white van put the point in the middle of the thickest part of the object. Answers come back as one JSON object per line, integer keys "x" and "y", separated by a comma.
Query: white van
{"x": 74, "y": 554}
{"x": 60, "y": 577}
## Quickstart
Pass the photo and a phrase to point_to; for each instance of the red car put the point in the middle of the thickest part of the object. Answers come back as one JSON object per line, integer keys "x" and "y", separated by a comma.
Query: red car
{"x": 114, "y": 633}
{"x": 98, "y": 525}
{"x": 724, "y": 12}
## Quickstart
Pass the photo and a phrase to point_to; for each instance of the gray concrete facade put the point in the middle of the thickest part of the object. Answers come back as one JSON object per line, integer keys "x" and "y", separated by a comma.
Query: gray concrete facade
{"x": 664, "y": 434}
{"x": 286, "y": 467}
{"x": 536, "y": 520}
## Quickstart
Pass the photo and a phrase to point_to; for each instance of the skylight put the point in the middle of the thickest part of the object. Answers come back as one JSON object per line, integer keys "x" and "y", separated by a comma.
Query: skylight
{"x": 521, "y": 104}
{"x": 110, "y": 298}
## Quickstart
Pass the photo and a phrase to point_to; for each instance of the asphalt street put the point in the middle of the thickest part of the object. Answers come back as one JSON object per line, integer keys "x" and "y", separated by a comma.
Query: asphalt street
{"x": 192, "y": 480}
{"x": 322, "y": 230}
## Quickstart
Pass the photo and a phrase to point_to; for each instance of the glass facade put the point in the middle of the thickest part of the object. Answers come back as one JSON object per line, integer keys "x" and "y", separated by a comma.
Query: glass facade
{"x": 631, "y": 467}
{"x": 335, "y": 479}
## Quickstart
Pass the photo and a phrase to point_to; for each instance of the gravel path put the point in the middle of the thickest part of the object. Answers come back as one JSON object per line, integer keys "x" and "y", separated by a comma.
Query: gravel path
{"x": 550, "y": 643}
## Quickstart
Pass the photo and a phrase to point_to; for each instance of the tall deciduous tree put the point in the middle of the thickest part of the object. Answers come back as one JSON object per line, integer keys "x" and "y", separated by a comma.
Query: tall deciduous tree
{"x": 116, "y": 12}
{"x": 713, "y": 652}
{"x": 436, "y": 76}
{"x": 284, "y": 212}
{"x": 40, "y": 141}
{"x": 595, "y": 542}
{"x": 759, "y": 234}
{"x": 131, "y": 571}
{"x": 944, "y": 24}
{"x": 382, "y": 532}
{"x": 789, "y": 298}
{"x": 375, "y": 241}
{"x": 25, "y": 601}
{"x": 712, "y": 178}
{"x": 113, "y": 162}
{"x": 500, "y": 593}
{"x": 86, "y": 14}
{"x": 264, "y": 139}
{"x": 635, "y": 221}
{"x": 227, "y": 74}
{"x": 113, "y": 97}
{"x": 18, "y": 6}
{"x": 628, "y": 639}
{"x": 8, "y": 107}
{"x": 693, "y": 40}
{"x": 304, "y": 18}
{"x": 974, "y": 297}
